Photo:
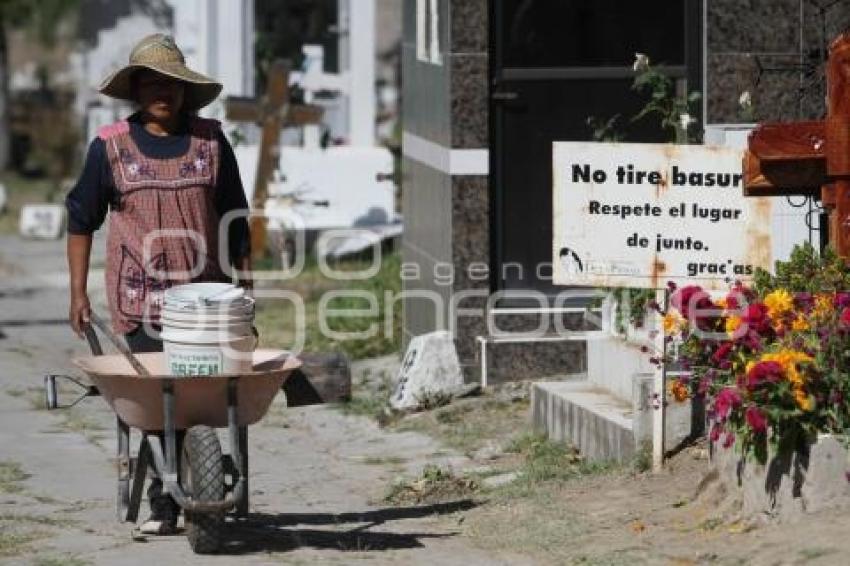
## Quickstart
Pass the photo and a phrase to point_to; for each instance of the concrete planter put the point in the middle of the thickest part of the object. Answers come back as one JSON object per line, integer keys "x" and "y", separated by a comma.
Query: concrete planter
{"x": 810, "y": 479}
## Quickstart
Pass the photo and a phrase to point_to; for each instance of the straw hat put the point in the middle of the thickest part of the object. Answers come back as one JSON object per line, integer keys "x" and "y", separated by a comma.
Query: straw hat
{"x": 159, "y": 53}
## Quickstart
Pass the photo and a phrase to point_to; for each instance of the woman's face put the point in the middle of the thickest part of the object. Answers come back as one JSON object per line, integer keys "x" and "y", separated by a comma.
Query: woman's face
{"x": 158, "y": 95}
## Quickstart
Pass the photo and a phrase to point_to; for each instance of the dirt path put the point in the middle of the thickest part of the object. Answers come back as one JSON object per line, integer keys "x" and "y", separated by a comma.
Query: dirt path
{"x": 317, "y": 475}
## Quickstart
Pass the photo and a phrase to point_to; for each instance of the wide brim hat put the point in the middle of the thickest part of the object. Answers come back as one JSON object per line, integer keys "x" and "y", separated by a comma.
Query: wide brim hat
{"x": 160, "y": 54}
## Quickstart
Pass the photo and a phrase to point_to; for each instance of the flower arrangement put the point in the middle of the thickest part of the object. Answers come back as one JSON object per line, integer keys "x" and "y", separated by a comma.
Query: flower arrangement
{"x": 770, "y": 360}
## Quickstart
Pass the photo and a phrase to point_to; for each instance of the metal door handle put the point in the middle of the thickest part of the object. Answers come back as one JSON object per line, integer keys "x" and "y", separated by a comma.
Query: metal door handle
{"x": 502, "y": 96}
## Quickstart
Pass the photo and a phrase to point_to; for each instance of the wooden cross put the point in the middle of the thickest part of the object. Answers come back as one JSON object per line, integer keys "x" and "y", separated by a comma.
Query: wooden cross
{"x": 273, "y": 112}
{"x": 810, "y": 158}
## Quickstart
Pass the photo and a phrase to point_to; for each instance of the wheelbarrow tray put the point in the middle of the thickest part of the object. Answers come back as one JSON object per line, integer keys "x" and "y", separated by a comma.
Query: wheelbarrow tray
{"x": 138, "y": 401}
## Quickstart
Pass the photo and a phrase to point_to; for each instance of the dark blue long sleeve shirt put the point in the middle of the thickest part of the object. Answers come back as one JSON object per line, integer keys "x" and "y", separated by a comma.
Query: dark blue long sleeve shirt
{"x": 95, "y": 191}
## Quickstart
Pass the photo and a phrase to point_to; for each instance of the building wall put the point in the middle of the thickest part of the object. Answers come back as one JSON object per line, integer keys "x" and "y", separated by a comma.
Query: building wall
{"x": 781, "y": 37}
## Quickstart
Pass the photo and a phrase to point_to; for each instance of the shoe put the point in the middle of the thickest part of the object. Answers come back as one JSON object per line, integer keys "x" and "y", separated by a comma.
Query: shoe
{"x": 158, "y": 527}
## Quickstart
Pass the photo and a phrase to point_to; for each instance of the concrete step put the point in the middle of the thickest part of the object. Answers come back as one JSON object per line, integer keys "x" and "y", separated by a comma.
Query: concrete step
{"x": 586, "y": 416}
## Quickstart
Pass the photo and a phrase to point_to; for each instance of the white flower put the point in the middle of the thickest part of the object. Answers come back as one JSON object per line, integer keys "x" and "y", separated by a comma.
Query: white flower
{"x": 641, "y": 62}
{"x": 745, "y": 100}
{"x": 133, "y": 168}
{"x": 685, "y": 120}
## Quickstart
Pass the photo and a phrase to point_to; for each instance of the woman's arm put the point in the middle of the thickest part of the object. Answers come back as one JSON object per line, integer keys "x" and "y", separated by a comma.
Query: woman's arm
{"x": 87, "y": 204}
{"x": 79, "y": 251}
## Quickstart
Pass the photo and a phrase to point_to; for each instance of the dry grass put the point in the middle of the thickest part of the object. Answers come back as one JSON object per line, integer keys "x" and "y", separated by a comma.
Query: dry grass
{"x": 11, "y": 477}
{"x": 434, "y": 485}
{"x": 468, "y": 425}
{"x": 277, "y": 324}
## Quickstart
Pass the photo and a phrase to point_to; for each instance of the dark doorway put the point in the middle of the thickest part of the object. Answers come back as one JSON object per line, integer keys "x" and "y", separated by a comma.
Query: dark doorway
{"x": 554, "y": 64}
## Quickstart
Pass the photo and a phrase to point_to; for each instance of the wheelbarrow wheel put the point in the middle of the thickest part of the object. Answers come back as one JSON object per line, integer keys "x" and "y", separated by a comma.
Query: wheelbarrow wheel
{"x": 202, "y": 476}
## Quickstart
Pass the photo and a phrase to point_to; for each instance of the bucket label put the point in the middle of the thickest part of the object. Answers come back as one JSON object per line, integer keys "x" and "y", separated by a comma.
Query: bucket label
{"x": 195, "y": 363}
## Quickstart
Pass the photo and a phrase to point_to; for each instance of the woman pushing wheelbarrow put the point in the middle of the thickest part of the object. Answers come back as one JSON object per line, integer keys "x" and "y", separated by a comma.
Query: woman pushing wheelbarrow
{"x": 167, "y": 177}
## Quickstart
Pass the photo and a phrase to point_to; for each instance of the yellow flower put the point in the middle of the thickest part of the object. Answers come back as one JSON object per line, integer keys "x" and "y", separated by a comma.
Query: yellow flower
{"x": 800, "y": 323}
{"x": 732, "y": 324}
{"x": 721, "y": 303}
{"x": 803, "y": 400}
{"x": 673, "y": 322}
{"x": 778, "y": 303}
{"x": 823, "y": 306}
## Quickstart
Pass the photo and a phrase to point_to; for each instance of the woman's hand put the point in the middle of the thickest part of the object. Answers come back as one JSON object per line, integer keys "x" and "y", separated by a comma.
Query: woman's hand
{"x": 80, "y": 313}
{"x": 79, "y": 250}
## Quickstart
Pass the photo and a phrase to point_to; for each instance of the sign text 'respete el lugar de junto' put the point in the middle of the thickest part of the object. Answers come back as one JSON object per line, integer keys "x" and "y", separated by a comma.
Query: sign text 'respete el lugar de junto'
{"x": 640, "y": 215}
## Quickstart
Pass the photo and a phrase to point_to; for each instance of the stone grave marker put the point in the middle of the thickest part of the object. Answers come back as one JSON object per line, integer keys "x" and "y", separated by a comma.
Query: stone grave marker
{"x": 42, "y": 221}
{"x": 430, "y": 367}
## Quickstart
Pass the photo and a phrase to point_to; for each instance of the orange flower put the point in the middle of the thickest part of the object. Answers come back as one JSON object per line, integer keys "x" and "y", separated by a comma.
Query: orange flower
{"x": 679, "y": 391}
{"x": 800, "y": 323}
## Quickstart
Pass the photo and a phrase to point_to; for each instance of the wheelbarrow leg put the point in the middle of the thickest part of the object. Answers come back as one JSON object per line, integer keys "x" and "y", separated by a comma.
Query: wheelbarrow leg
{"x": 238, "y": 450}
{"x": 242, "y": 503}
{"x": 139, "y": 475}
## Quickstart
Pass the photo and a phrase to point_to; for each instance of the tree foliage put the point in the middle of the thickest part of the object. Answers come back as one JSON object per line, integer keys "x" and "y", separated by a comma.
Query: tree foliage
{"x": 283, "y": 26}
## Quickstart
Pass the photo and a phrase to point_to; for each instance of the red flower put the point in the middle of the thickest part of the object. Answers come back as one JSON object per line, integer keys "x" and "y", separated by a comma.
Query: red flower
{"x": 729, "y": 440}
{"x": 756, "y": 319}
{"x": 844, "y": 319}
{"x": 756, "y": 420}
{"x": 725, "y": 401}
{"x": 764, "y": 372}
{"x": 714, "y": 435}
{"x": 722, "y": 352}
{"x": 690, "y": 298}
{"x": 739, "y": 295}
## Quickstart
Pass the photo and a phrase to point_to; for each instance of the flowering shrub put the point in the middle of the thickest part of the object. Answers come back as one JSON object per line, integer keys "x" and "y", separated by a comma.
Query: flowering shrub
{"x": 771, "y": 361}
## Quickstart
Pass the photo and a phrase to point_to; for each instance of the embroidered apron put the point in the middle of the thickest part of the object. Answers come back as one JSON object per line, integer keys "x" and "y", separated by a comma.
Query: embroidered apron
{"x": 164, "y": 232}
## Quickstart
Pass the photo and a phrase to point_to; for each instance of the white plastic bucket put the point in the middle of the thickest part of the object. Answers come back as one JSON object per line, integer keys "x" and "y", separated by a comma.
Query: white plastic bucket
{"x": 207, "y": 329}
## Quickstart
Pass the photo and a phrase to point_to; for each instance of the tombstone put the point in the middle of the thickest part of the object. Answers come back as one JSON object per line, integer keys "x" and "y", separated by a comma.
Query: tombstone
{"x": 273, "y": 113}
{"x": 430, "y": 367}
{"x": 3, "y": 198}
{"x": 42, "y": 221}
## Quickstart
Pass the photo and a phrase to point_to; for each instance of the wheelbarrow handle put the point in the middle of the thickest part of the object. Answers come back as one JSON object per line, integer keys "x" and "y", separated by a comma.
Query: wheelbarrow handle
{"x": 117, "y": 342}
{"x": 94, "y": 343}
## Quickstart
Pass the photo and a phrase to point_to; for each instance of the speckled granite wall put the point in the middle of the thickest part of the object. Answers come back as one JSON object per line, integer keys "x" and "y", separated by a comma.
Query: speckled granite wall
{"x": 448, "y": 217}
{"x": 768, "y": 47}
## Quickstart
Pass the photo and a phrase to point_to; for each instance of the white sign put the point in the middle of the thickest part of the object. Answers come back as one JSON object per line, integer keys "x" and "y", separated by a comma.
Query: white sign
{"x": 42, "y": 221}
{"x": 640, "y": 215}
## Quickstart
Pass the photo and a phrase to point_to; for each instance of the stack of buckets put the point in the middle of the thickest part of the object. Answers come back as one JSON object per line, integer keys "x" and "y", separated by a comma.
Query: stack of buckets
{"x": 207, "y": 329}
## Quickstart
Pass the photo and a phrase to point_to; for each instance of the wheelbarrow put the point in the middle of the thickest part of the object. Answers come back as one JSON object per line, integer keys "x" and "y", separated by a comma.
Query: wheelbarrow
{"x": 204, "y": 482}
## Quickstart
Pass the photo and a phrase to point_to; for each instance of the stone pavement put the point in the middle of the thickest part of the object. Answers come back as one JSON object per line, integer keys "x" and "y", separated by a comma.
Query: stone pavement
{"x": 317, "y": 475}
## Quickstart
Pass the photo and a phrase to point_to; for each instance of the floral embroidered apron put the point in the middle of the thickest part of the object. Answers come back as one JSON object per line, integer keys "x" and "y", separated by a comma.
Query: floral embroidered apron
{"x": 165, "y": 229}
